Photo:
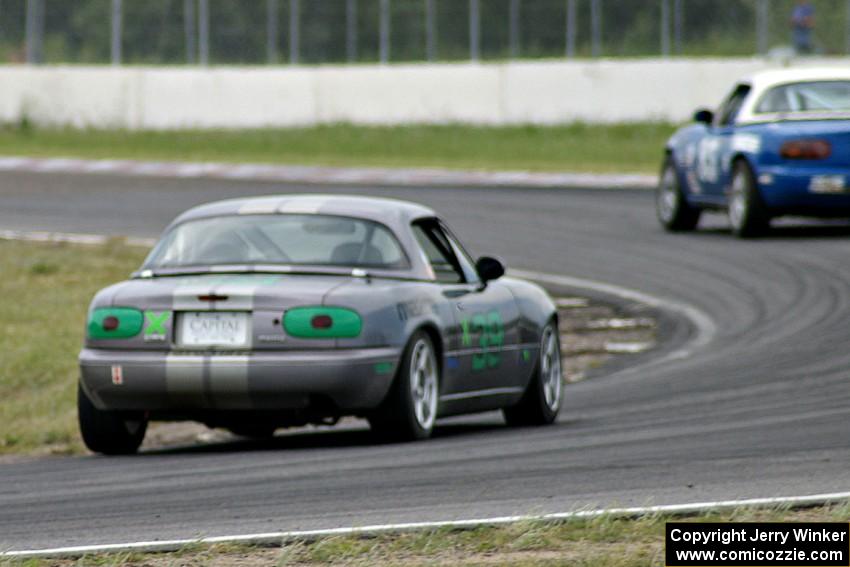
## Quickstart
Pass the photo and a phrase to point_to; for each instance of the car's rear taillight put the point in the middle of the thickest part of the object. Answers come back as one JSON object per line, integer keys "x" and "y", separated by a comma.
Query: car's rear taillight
{"x": 115, "y": 323}
{"x": 322, "y": 323}
{"x": 111, "y": 323}
{"x": 806, "y": 149}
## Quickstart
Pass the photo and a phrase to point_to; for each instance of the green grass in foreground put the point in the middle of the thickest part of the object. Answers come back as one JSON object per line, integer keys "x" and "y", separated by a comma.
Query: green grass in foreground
{"x": 46, "y": 289}
{"x": 608, "y": 541}
{"x": 576, "y": 147}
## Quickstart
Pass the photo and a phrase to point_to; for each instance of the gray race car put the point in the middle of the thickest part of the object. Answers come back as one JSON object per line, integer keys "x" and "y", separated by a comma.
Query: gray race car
{"x": 255, "y": 314}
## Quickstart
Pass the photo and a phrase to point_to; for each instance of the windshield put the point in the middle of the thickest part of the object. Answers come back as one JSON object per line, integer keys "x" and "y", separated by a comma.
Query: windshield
{"x": 317, "y": 240}
{"x": 822, "y": 96}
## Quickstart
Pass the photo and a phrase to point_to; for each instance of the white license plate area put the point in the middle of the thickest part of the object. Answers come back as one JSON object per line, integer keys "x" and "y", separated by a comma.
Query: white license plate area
{"x": 214, "y": 329}
{"x": 828, "y": 184}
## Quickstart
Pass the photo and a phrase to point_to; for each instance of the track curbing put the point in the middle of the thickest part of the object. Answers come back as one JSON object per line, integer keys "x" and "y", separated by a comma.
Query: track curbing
{"x": 319, "y": 175}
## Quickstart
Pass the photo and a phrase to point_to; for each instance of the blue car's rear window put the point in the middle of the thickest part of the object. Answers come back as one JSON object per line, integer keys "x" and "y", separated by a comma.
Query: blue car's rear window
{"x": 812, "y": 96}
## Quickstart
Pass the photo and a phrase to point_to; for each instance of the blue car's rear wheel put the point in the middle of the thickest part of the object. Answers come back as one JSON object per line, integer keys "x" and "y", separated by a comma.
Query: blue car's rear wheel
{"x": 410, "y": 409}
{"x": 748, "y": 215}
{"x": 673, "y": 211}
{"x": 109, "y": 432}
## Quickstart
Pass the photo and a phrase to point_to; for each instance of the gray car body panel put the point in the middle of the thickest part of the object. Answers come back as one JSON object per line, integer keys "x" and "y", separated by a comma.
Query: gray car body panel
{"x": 487, "y": 335}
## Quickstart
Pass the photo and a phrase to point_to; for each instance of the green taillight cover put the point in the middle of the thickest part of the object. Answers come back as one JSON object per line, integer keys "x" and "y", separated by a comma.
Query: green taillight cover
{"x": 130, "y": 323}
{"x": 344, "y": 323}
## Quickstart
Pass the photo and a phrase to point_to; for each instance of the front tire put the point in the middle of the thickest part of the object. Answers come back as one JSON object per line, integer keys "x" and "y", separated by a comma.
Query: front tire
{"x": 748, "y": 215}
{"x": 109, "y": 432}
{"x": 672, "y": 209}
{"x": 410, "y": 409}
{"x": 542, "y": 398}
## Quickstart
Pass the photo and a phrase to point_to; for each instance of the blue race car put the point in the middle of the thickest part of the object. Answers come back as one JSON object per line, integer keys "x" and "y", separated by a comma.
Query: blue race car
{"x": 778, "y": 145}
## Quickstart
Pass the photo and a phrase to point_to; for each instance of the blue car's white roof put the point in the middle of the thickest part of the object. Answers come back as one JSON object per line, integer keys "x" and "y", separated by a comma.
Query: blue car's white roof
{"x": 763, "y": 81}
{"x": 767, "y": 79}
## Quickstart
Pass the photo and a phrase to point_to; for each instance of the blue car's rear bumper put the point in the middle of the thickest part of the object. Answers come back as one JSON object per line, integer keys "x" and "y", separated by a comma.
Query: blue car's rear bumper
{"x": 810, "y": 191}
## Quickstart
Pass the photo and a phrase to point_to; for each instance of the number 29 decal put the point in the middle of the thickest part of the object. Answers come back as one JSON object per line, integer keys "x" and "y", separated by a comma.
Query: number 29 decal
{"x": 488, "y": 330}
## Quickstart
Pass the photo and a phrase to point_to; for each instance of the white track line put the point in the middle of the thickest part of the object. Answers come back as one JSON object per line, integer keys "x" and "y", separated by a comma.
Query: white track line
{"x": 703, "y": 323}
{"x": 272, "y": 538}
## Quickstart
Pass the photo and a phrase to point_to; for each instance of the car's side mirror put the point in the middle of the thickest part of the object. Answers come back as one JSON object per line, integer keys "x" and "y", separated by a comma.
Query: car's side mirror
{"x": 704, "y": 116}
{"x": 489, "y": 268}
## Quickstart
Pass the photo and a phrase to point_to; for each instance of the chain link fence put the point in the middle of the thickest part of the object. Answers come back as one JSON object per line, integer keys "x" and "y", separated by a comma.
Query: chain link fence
{"x": 257, "y": 32}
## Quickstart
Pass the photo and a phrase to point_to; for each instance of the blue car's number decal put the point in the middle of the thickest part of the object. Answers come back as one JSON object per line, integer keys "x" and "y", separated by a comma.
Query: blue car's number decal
{"x": 708, "y": 160}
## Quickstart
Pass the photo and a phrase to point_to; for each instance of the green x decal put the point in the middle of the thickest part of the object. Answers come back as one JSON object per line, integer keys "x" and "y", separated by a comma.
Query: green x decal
{"x": 156, "y": 322}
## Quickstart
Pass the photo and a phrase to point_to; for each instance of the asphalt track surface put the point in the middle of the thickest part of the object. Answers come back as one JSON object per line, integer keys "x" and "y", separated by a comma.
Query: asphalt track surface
{"x": 761, "y": 411}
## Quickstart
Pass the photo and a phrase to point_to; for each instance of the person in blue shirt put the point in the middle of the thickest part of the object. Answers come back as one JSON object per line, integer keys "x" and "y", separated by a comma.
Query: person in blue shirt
{"x": 802, "y": 24}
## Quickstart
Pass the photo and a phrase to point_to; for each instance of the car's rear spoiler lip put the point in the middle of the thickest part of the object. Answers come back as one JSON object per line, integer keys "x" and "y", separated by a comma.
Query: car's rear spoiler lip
{"x": 356, "y": 272}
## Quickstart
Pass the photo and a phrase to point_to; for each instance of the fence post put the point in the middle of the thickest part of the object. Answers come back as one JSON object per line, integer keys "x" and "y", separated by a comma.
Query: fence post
{"x": 678, "y": 24}
{"x": 596, "y": 27}
{"x": 571, "y": 28}
{"x": 514, "y": 28}
{"x": 294, "y": 30}
{"x": 384, "y": 47}
{"x": 115, "y": 50}
{"x": 35, "y": 31}
{"x": 762, "y": 12}
{"x": 847, "y": 24}
{"x": 431, "y": 30}
{"x": 351, "y": 30}
{"x": 189, "y": 29}
{"x": 665, "y": 28}
{"x": 271, "y": 31}
{"x": 474, "y": 30}
{"x": 203, "y": 32}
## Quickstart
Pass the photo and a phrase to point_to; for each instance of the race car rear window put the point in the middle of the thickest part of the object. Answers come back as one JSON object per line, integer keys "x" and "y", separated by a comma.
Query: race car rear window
{"x": 819, "y": 96}
{"x": 316, "y": 240}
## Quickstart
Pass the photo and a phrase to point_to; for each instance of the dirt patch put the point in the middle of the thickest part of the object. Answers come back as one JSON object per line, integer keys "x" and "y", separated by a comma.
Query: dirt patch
{"x": 594, "y": 333}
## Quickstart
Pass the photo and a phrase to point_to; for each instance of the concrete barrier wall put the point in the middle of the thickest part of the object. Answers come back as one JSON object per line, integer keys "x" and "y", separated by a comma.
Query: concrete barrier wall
{"x": 546, "y": 92}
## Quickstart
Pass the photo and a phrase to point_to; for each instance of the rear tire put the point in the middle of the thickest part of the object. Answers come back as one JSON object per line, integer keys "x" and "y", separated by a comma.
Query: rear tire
{"x": 672, "y": 209}
{"x": 410, "y": 408}
{"x": 748, "y": 215}
{"x": 541, "y": 401}
{"x": 109, "y": 432}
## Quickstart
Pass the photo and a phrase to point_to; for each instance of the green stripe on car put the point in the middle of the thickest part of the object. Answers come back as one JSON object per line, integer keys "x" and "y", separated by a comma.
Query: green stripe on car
{"x": 383, "y": 367}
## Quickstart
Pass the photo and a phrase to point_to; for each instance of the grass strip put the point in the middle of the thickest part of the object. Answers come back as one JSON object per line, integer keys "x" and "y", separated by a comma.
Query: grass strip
{"x": 48, "y": 288}
{"x": 577, "y": 147}
{"x": 604, "y": 540}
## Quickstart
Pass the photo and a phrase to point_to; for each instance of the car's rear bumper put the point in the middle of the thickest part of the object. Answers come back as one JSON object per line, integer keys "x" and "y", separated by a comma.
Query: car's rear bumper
{"x": 805, "y": 191}
{"x": 349, "y": 380}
